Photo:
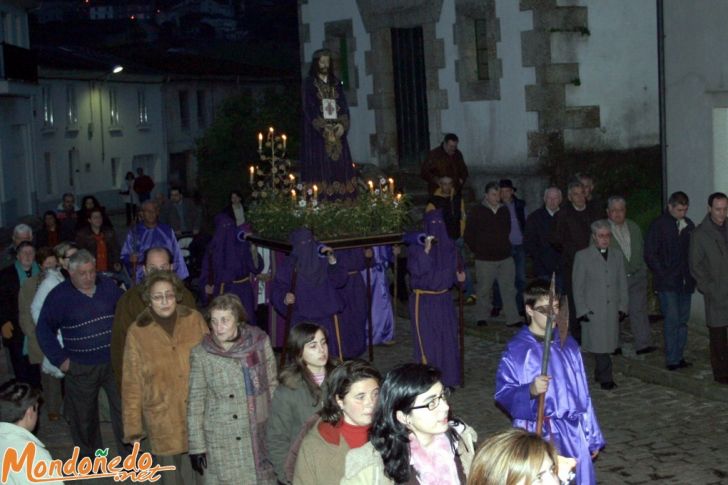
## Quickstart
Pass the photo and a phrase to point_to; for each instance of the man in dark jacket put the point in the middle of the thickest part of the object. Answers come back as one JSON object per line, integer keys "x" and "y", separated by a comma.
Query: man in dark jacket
{"x": 445, "y": 161}
{"x": 486, "y": 234}
{"x": 572, "y": 233}
{"x": 516, "y": 208}
{"x": 539, "y": 226}
{"x": 709, "y": 266}
{"x": 666, "y": 254}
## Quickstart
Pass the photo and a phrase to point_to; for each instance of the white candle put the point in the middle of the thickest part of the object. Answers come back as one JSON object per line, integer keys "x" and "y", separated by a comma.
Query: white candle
{"x": 260, "y": 142}
{"x": 293, "y": 195}
{"x": 285, "y": 138}
{"x": 391, "y": 185}
{"x": 371, "y": 186}
{"x": 252, "y": 171}
{"x": 315, "y": 191}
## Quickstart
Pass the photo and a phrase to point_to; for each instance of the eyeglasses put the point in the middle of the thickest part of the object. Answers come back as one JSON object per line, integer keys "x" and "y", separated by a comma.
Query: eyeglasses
{"x": 160, "y": 297}
{"x": 432, "y": 405}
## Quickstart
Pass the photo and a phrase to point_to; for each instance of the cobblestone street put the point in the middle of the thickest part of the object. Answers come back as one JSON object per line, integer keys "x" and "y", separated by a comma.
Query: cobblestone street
{"x": 655, "y": 434}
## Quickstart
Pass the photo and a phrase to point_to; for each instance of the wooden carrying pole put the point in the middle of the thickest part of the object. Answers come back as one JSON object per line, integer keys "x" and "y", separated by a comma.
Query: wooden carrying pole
{"x": 287, "y": 326}
{"x": 546, "y": 354}
{"x": 369, "y": 307}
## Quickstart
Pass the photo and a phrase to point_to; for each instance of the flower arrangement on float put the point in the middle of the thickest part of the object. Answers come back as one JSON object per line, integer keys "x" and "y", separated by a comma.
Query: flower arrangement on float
{"x": 281, "y": 202}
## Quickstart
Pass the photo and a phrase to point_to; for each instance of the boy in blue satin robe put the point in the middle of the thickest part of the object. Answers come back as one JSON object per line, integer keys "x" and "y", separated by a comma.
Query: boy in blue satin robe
{"x": 570, "y": 422}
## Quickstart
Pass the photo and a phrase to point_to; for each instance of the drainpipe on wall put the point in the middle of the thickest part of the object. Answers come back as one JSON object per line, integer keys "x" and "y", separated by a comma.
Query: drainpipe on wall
{"x": 661, "y": 93}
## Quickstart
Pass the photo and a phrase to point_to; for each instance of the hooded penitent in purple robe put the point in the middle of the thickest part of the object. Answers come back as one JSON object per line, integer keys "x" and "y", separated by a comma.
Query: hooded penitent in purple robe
{"x": 140, "y": 238}
{"x": 325, "y": 159}
{"x": 229, "y": 266}
{"x": 432, "y": 312}
{"x": 354, "y": 317}
{"x": 317, "y": 281}
{"x": 570, "y": 422}
{"x": 382, "y": 314}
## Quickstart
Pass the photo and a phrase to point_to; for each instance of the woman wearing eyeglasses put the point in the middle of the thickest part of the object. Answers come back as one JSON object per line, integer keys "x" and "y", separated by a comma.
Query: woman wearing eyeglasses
{"x": 413, "y": 438}
{"x": 156, "y": 371}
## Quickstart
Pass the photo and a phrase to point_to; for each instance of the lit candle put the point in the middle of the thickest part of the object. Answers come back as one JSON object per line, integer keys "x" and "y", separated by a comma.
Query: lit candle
{"x": 270, "y": 132}
{"x": 260, "y": 142}
{"x": 371, "y": 186}
{"x": 391, "y": 185}
{"x": 284, "y": 142}
{"x": 399, "y": 197}
{"x": 252, "y": 171}
{"x": 293, "y": 178}
{"x": 315, "y": 191}
{"x": 293, "y": 195}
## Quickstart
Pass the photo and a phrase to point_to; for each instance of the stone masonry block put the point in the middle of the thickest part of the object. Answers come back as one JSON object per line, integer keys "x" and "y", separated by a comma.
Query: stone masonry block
{"x": 545, "y": 98}
{"x": 562, "y": 19}
{"x": 582, "y": 117}
{"x": 560, "y": 73}
{"x": 535, "y": 48}
{"x": 536, "y": 4}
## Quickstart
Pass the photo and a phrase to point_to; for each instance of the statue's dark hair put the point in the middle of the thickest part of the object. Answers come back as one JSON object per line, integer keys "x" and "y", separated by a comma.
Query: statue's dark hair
{"x": 388, "y": 435}
{"x": 313, "y": 69}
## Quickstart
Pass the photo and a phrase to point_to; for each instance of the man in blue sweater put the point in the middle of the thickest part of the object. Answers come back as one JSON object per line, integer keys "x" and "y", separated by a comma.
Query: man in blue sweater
{"x": 82, "y": 309}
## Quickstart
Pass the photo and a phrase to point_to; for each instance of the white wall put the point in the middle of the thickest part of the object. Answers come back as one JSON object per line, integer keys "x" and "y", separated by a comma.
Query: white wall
{"x": 93, "y": 173}
{"x": 696, "y": 83}
{"x": 618, "y": 72}
{"x": 493, "y": 134}
{"x": 317, "y": 13}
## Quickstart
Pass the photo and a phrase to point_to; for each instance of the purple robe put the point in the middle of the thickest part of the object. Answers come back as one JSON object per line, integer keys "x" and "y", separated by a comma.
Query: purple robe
{"x": 140, "y": 238}
{"x": 354, "y": 294}
{"x": 432, "y": 312}
{"x": 326, "y": 161}
{"x": 315, "y": 302}
{"x": 570, "y": 422}
{"x": 228, "y": 265}
{"x": 382, "y": 314}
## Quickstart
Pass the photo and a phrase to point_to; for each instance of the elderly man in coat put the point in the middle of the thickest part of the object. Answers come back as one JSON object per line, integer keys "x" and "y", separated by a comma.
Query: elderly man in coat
{"x": 600, "y": 299}
{"x": 709, "y": 266}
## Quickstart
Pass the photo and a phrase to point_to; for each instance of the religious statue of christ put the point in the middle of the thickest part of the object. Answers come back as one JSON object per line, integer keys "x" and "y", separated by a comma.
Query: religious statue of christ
{"x": 325, "y": 156}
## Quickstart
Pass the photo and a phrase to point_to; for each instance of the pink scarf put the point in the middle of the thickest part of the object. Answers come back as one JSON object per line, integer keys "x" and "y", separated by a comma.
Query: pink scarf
{"x": 435, "y": 465}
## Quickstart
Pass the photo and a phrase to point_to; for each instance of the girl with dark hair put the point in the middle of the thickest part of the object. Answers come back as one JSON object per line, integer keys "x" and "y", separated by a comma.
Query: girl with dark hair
{"x": 235, "y": 209}
{"x": 345, "y": 418}
{"x": 299, "y": 395}
{"x": 52, "y": 232}
{"x": 413, "y": 438}
{"x": 88, "y": 204}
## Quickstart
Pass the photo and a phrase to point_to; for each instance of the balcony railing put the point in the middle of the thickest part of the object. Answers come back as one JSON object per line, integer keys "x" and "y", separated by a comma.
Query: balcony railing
{"x": 18, "y": 64}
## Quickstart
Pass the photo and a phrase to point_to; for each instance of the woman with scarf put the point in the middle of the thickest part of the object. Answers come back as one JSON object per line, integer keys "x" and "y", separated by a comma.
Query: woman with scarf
{"x": 345, "y": 418}
{"x": 156, "y": 371}
{"x": 434, "y": 269}
{"x": 312, "y": 267}
{"x": 299, "y": 395}
{"x": 232, "y": 380}
{"x": 12, "y": 279}
{"x": 47, "y": 260}
{"x": 413, "y": 438}
{"x": 230, "y": 265}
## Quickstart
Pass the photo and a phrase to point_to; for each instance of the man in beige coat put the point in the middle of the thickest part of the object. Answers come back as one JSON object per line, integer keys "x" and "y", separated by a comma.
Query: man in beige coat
{"x": 601, "y": 299}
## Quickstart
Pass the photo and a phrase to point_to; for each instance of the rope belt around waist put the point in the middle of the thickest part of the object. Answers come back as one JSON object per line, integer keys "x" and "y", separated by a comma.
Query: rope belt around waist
{"x": 352, "y": 273}
{"x": 222, "y": 285}
{"x": 338, "y": 337}
{"x": 418, "y": 293}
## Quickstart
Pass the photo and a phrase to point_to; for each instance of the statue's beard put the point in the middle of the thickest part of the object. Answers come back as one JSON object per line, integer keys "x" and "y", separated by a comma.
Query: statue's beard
{"x": 323, "y": 71}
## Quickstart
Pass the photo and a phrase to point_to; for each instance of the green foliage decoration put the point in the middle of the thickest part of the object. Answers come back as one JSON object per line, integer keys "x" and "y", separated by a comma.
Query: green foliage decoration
{"x": 373, "y": 212}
